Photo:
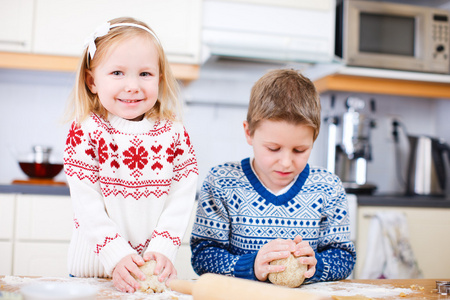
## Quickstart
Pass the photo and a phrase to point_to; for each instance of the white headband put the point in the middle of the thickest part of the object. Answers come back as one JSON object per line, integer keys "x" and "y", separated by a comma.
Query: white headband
{"x": 104, "y": 29}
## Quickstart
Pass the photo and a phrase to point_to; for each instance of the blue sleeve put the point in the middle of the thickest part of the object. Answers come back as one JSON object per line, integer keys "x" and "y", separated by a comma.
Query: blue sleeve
{"x": 335, "y": 254}
{"x": 210, "y": 244}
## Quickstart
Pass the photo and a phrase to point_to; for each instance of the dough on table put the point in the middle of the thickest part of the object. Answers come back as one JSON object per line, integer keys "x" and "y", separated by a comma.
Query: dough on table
{"x": 151, "y": 284}
{"x": 294, "y": 274}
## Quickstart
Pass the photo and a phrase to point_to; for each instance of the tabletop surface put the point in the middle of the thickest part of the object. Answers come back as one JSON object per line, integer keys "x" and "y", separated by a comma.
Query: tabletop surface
{"x": 344, "y": 289}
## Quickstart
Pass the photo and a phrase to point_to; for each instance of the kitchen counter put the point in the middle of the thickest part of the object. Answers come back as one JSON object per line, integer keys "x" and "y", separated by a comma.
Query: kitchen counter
{"x": 34, "y": 189}
{"x": 363, "y": 200}
{"x": 403, "y": 201}
{"x": 367, "y": 289}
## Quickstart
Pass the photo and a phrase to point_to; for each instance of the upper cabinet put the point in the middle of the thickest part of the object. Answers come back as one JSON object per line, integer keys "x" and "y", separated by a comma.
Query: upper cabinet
{"x": 16, "y": 23}
{"x": 61, "y": 27}
{"x": 285, "y": 30}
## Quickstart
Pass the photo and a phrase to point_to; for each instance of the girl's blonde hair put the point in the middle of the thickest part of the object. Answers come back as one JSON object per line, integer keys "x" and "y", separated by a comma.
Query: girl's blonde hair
{"x": 284, "y": 95}
{"x": 83, "y": 102}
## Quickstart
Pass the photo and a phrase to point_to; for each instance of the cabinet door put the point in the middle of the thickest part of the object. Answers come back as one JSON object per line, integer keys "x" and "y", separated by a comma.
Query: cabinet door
{"x": 6, "y": 216}
{"x": 183, "y": 263}
{"x": 16, "y": 23}
{"x": 61, "y": 27}
{"x": 44, "y": 218}
{"x": 183, "y": 260}
{"x": 6, "y": 258}
{"x": 425, "y": 225}
{"x": 40, "y": 259}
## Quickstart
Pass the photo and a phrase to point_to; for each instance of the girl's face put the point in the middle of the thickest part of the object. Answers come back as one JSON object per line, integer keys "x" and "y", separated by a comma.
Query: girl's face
{"x": 281, "y": 151}
{"x": 126, "y": 80}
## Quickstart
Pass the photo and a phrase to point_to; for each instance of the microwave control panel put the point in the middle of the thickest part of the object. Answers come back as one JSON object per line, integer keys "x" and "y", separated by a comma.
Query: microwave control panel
{"x": 441, "y": 37}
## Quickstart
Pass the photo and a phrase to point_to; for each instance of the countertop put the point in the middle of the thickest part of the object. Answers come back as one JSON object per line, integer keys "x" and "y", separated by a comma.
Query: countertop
{"x": 35, "y": 189}
{"x": 403, "y": 201}
{"x": 365, "y": 289}
{"x": 363, "y": 200}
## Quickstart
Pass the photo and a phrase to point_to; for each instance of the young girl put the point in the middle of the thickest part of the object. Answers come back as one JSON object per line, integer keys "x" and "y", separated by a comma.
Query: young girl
{"x": 129, "y": 161}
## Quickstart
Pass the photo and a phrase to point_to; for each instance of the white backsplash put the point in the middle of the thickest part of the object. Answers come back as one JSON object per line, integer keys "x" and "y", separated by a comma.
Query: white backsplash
{"x": 32, "y": 105}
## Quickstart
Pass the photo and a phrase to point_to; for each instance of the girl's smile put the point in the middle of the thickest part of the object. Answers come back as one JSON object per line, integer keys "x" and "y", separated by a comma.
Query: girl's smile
{"x": 126, "y": 80}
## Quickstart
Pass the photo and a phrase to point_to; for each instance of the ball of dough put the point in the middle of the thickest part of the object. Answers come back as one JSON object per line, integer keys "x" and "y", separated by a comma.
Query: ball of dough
{"x": 151, "y": 284}
{"x": 292, "y": 276}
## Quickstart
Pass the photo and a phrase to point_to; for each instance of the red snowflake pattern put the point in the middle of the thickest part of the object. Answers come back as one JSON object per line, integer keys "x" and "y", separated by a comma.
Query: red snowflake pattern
{"x": 102, "y": 151}
{"x": 188, "y": 140}
{"x": 136, "y": 158}
{"x": 74, "y": 136}
{"x": 171, "y": 154}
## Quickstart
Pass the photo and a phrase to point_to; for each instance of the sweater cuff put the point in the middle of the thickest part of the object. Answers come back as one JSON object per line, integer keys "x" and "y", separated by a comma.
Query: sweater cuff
{"x": 244, "y": 266}
{"x": 113, "y": 252}
{"x": 319, "y": 270}
{"x": 164, "y": 246}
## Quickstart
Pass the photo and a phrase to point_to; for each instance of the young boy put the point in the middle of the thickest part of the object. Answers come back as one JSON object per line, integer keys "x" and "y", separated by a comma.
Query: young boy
{"x": 266, "y": 207}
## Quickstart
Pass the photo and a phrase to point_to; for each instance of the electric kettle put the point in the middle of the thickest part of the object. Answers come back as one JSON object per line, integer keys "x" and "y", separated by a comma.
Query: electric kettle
{"x": 427, "y": 166}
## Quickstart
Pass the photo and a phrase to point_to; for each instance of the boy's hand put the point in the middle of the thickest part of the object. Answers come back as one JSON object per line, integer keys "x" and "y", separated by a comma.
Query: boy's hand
{"x": 273, "y": 250}
{"x": 302, "y": 248}
{"x": 122, "y": 278}
{"x": 164, "y": 267}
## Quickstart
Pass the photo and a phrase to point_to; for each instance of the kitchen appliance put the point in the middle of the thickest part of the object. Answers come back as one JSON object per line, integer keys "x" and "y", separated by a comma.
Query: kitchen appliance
{"x": 270, "y": 30}
{"x": 427, "y": 166}
{"x": 428, "y": 161}
{"x": 349, "y": 147}
{"x": 393, "y": 36}
{"x": 220, "y": 287}
{"x": 39, "y": 166}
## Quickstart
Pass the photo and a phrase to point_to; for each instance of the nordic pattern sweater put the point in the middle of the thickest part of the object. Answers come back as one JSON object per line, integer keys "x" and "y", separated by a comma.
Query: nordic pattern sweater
{"x": 237, "y": 215}
{"x": 132, "y": 186}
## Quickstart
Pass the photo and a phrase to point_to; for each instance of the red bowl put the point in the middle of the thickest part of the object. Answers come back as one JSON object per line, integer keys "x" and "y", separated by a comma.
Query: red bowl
{"x": 44, "y": 170}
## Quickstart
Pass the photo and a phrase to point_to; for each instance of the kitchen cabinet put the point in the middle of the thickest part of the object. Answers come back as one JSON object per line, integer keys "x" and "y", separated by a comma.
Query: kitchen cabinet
{"x": 16, "y": 21}
{"x": 426, "y": 228}
{"x": 49, "y": 34}
{"x": 35, "y": 232}
{"x": 6, "y": 232}
{"x": 183, "y": 260}
{"x": 43, "y": 227}
{"x": 61, "y": 27}
{"x": 387, "y": 82}
{"x": 40, "y": 259}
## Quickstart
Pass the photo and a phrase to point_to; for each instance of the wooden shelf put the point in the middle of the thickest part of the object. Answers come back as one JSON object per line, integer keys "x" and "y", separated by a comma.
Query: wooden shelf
{"x": 11, "y": 60}
{"x": 374, "y": 81}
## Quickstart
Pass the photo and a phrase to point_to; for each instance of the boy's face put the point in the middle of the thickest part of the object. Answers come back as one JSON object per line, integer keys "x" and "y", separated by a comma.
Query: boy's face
{"x": 127, "y": 78}
{"x": 281, "y": 151}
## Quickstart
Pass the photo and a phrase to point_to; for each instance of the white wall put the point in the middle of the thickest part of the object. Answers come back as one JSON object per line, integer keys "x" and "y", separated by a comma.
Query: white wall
{"x": 32, "y": 105}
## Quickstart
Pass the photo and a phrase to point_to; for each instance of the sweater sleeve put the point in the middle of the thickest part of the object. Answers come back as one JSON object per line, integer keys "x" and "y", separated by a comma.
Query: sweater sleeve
{"x": 82, "y": 171}
{"x": 210, "y": 237}
{"x": 174, "y": 218}
{"x": 336, "y": 254}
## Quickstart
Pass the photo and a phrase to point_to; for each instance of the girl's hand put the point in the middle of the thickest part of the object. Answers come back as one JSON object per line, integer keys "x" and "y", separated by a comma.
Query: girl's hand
{"x": 302, "y": 248}
{"x": 164, "y": 267}
{"x": 122, "y": 278}
{"x": 273, "y": 250}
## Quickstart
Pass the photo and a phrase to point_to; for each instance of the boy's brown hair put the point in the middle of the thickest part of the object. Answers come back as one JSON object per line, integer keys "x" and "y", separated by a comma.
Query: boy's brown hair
{"x": 284, "y": 95}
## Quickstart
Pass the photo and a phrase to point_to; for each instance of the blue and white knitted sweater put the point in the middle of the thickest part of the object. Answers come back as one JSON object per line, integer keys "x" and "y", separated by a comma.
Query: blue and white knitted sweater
{"x": 237, "y": 215}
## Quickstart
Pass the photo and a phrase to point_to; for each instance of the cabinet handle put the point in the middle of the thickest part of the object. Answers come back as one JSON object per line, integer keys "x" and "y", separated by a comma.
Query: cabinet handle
{"x": 17, "y": 43}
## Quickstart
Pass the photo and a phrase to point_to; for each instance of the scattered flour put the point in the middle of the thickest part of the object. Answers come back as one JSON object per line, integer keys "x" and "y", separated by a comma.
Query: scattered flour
{"x": 105, "y": 287}
{"x": 353, "y": 289}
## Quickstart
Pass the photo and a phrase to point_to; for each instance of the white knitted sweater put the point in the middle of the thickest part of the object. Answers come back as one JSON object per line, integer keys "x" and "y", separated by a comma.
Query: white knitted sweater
{"x": 132, "y": 186}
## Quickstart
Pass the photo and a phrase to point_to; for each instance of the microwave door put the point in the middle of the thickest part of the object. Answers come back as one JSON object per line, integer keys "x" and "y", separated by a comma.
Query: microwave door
{"x": 386, "y": 41}
{"x": 393, "y": 36}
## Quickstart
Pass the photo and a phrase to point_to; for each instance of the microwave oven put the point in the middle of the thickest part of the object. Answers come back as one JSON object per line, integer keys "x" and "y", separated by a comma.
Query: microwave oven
{"x": 393, "y": 36}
